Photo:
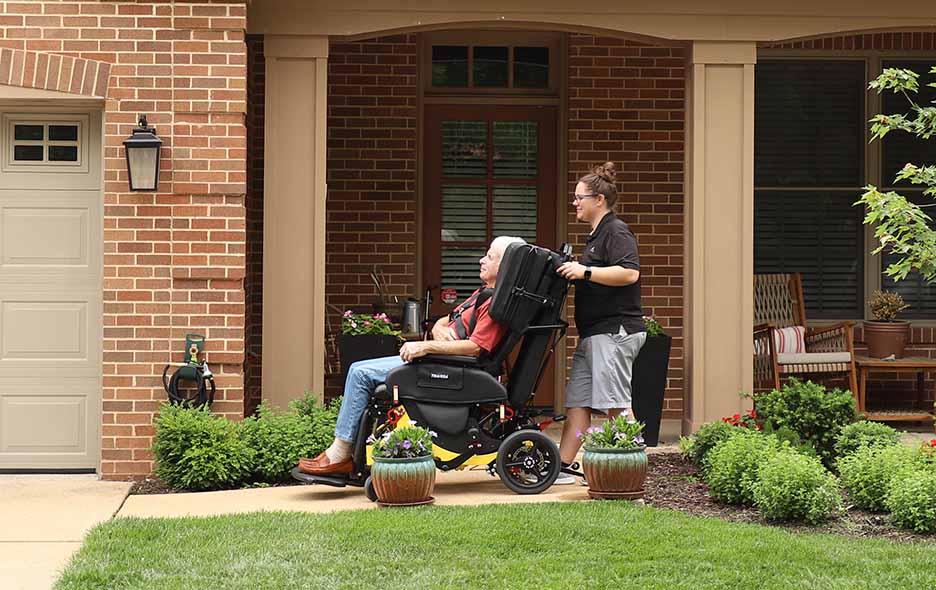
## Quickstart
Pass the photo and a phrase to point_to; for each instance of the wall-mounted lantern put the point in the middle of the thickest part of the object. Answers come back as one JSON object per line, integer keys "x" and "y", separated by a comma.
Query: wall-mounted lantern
{"x": 143, "y": 157}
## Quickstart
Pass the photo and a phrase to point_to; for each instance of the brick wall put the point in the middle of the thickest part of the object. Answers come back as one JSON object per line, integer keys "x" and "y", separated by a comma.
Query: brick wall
{"x": 371, "y": 210}
{"x": 626, "y": 105}
{"x": 897, "y": 390}
{"x": 174, "y": 260}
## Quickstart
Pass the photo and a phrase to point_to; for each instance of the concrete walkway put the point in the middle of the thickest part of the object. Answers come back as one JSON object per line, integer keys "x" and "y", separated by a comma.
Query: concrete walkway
{"x": 44, "y": 519}
{"x": 453, "y": 488}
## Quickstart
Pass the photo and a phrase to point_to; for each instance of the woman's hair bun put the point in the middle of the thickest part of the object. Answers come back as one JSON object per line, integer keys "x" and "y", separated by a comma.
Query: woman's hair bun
{"x": 606, "y": 171}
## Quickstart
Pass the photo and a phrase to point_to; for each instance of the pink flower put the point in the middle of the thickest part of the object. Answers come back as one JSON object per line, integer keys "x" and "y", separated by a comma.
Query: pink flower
{"x": 347, "y": 313}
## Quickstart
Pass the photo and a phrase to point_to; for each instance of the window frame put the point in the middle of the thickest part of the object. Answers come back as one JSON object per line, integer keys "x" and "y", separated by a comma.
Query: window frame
{"x": 9, "y": 122}
{"x": 490, "y": 38}
{"x": 873, "y": 268}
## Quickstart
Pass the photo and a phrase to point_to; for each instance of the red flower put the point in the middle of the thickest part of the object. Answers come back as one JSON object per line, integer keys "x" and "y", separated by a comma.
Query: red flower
{"x": 932, "y": 443}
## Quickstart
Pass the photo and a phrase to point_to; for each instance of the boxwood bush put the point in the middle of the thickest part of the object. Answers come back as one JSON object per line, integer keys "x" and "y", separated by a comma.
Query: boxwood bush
{"x": 815, "y": 414}
{"x": 912, "y": 500}
{"x": 195, "y": 450}
{"x": 791, "y": 486}
{"x": 733, "y": 464}
{"x": 864, "y": 433}
{"x": 707, "y": 437}
{"x": 867, "y": 473}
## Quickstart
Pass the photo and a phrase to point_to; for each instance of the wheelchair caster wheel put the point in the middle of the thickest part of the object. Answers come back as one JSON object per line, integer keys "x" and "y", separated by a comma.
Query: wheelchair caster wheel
{"x": 369, "y": 490}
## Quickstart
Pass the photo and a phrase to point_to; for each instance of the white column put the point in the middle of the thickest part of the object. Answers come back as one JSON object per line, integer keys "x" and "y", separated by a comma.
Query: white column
{"x": 294, "y": 217}
{"x": 719, "y": 226}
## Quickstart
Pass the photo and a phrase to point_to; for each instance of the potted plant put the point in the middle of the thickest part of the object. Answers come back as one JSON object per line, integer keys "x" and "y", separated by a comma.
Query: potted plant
{"x": 886, "y": 335}
{"x": 615, "y": 459}
{"x": 648, "y": 381}
{"x": 403, "y": 473}
{"x": 366, "y": 336}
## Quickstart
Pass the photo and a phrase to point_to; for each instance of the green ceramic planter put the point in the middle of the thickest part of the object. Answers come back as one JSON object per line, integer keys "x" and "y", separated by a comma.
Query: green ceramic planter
{"x": 615, "y": 473}
{"x": 404, "y": 481}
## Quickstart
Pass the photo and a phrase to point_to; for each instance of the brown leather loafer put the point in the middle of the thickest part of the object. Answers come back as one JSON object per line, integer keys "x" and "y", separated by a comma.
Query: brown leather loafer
{"x": 322, "y": 466}
{"x": 305, "y": 464}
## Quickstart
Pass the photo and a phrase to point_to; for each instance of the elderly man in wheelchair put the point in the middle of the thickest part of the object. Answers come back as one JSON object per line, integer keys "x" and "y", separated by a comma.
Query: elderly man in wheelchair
{"x": 454, "y": 384}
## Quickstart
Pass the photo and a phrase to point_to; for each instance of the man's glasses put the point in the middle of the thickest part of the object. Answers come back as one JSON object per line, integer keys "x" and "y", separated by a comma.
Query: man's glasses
{"x": 577, "y": 197}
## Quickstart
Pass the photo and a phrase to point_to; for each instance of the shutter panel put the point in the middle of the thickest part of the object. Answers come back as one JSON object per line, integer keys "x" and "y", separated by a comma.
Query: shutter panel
{"x": 897, "y": 147}
{"x": 809, "y": 134}
{"x": 818, "y": 235}
{"x": 809, "y": 123}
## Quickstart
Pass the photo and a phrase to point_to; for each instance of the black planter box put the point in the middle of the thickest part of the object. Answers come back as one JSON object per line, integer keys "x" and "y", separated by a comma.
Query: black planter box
{"x": 369, "y": 346}
{"x": 648, "y": 384}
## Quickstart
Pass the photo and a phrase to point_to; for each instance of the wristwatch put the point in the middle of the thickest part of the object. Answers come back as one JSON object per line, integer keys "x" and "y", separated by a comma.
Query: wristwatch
{"x": 588, "y": 270}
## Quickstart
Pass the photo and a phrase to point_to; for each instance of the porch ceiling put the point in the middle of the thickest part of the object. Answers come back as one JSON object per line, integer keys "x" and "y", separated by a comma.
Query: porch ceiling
{"x": 709, "y": 20}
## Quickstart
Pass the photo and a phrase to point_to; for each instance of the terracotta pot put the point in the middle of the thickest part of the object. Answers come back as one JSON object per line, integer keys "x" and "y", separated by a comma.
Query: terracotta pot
{"x": 404, "y": 481}
{"x": 615, "y": 473}
{"x": 886, "y": 338}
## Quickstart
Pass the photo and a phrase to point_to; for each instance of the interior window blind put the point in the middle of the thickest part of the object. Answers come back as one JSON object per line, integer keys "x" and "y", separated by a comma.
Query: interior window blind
{"x": 809, "y": 168}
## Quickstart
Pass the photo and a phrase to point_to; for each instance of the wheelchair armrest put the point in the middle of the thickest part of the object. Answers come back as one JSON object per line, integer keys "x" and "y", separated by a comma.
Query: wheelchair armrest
{"x": 449, "y": 359}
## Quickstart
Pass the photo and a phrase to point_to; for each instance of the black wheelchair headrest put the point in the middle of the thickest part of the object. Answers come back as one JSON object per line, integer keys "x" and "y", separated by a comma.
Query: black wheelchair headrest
{"x": 527, "y": 282}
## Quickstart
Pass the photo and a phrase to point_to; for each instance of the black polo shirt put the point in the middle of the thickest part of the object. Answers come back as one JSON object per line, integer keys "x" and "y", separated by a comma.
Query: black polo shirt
{"x": 600, "y": 309}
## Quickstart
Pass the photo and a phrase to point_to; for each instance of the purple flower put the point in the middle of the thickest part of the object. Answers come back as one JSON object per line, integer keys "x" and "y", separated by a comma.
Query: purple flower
{"x": 593, "y": 430}
{"x": 638, "y": 439}
{"x": 578, "y": 433}
{"x": 371, "y": 439}
{"x": 407, "y": 444}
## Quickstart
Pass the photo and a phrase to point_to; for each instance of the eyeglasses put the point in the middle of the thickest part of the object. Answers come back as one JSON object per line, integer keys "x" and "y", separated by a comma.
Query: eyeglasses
{"x": 577, "y": 197}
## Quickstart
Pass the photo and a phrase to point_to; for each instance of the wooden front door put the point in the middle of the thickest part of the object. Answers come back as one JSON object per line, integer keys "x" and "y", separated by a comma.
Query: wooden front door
{"x": 488, "y": 171}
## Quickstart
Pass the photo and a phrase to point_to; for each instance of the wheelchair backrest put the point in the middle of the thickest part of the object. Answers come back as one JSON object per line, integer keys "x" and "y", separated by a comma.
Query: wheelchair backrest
{"x": 529, "y": 293}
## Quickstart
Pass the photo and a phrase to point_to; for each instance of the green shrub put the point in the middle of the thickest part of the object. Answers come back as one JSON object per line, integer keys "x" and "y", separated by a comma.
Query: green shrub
{"x": 323, "y": 420}
{"x": 732, "y": 465}
{"x": 196, "y": 450}
{"x": 787, "y": 435}
{"x": 279, "y": 439}
{"x": 867, "y": 473}
{"x": 864, "y": 433}
{"x": 706, "y": 438}
{"x": 912, "y": 500}
{"x": 791, "y": 486}
{"x": 816, "y": 415}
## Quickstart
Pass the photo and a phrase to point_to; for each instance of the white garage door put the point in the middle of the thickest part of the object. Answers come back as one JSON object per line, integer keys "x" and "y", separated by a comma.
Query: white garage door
{"x": 50, "y": 289}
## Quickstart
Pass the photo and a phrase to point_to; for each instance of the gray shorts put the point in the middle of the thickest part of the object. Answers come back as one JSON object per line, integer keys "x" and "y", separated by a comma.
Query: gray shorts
{"x": 601, "y": 371}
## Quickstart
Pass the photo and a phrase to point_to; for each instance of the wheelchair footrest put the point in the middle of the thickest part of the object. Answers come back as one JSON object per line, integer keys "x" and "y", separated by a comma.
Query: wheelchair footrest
{"x": 338, "y": 481}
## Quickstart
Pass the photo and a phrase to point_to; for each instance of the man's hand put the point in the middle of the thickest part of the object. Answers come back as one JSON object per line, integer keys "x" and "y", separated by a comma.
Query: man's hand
{"x": 413, "y": 350}
{"x": 442, "y": 332}
{"x": 572, "y": 271}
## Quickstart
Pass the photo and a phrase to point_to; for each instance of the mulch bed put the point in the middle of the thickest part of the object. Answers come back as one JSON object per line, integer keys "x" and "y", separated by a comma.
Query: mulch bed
{"x": 675, "y": 483}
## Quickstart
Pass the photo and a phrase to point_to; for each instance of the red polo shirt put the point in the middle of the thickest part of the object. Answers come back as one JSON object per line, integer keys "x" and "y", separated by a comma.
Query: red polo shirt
{"x": 487, "y": 333}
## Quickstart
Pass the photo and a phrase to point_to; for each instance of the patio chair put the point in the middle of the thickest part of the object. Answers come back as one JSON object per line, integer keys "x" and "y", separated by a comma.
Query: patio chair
{"x": 784, "y": 347}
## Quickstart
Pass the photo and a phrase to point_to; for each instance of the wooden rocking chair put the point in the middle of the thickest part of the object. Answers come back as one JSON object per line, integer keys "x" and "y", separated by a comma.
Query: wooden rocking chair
{"x": 778, "y": 310}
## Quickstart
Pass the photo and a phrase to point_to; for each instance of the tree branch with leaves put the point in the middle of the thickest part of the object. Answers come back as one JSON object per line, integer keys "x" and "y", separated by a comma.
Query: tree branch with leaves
{"x": 901, "y": 227}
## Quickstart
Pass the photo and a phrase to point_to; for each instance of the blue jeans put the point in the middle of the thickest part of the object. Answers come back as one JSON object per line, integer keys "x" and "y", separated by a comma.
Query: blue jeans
{"x": 363, "y": 378}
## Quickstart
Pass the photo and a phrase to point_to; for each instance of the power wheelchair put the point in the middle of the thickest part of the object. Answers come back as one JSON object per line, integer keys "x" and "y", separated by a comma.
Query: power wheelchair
{"x": 478, "y": 419}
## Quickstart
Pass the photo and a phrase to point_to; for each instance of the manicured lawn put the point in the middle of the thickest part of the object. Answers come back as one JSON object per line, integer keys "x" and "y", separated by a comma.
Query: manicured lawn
{"x": 567, "y": 546}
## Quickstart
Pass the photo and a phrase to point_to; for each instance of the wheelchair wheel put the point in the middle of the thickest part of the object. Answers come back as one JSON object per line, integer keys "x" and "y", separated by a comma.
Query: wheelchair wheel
{"x": 528, "y": 462}
{"x": 369, "y": 490}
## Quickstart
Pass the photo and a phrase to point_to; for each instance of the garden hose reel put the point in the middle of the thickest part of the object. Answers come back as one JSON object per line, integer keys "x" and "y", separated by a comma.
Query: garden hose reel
{"x": 191, "y": 370}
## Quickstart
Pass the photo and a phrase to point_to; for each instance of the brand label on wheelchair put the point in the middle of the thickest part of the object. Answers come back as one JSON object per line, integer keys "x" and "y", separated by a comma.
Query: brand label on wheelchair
{"x": 438, "y": 375}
